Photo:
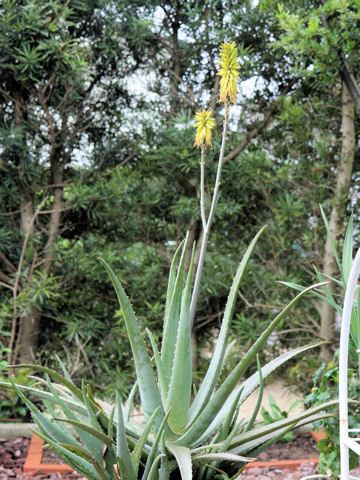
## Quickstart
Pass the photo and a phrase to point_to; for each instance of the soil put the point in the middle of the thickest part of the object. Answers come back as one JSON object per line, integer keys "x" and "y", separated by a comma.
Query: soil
{"x": 12, "y": 458}
{"x": 303, "y": 446}
{"x": 13, "y": 454}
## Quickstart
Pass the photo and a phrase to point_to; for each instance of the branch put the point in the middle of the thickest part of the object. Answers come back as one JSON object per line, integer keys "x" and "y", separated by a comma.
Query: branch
{"x": 345, "y": 72}
{"x": 17, "y": 279}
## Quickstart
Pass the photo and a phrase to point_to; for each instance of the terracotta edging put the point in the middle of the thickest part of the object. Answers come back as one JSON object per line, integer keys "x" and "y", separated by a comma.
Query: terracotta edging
{"x": 34, "y": 459}
{"x": 35, "y": 453}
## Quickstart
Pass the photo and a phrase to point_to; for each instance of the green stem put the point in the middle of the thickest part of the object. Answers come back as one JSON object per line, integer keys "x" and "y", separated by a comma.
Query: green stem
{"x": 207, "y": 226}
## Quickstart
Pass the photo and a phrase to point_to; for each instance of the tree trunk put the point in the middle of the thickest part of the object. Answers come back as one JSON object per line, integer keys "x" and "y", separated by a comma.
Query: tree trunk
{"x": 327, "y": 313}
{"x": 28, "y": 336}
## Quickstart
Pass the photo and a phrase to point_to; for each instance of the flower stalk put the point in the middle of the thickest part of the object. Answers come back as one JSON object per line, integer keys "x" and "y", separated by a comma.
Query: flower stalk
{"x": 208, "y": 222}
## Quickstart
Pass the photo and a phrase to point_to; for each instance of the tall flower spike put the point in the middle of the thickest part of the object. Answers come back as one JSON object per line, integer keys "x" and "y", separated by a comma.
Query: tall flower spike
{"x": 228, "y": 72}
{"x": 204, "y": 124}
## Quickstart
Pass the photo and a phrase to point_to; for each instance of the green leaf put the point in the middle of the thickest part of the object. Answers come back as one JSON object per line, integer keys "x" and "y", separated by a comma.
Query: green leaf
{"x": 149, "y": 393}
{"x": 249, "y": 385}
{"x": 171, "y": 324}
{"x": 213, "y": 457}
{"x": 183, "y": 459}
{"x": 129, "y": 402}
{"x": 138, "y": 450}
{"x": 67, "y": 383}
{"x": 347, "y": 254}
{"x": 179, "y": 395}
{"x": 154, "y": 468}
{"x": 122, "y": 449}
{"x": 96, "y": 433}
{"x": 154, "y": 448}
{"x": 331, "y": 239}
{"x": 210, "y": 380}
{"x": 216, "y": 403}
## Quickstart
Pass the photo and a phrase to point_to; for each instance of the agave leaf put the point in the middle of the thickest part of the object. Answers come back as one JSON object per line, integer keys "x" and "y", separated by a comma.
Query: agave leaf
{"x": 122, "y": 449}
{"x": 250, "y": 384}
{"x": 154, "y": 468}
{"x": 328, "y": 231}
{"x": 347, "y": 252}
{"x": 212, "y": 457}
{"x": 209, "y": 383}
{"x": 149, "y": 393}
{"x": 129, "y": 402}
{"x": 191, "y": 436}
{"x": 171, "y": 324}
{"x": 138, "y": 450}
{"x": 178, "y": 400}
{"x": 100, "y": 470}
{"x": 183, "y": 459}
{"x": 67, "y": 383}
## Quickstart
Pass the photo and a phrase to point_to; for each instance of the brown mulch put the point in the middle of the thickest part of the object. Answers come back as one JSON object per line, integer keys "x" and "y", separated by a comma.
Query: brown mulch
{"x": 12, "y": 458}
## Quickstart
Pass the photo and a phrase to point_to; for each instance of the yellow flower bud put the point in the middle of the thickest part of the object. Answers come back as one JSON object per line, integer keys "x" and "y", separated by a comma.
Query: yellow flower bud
{"x": 204, "y": 124}
{"x": 228, "y": 72}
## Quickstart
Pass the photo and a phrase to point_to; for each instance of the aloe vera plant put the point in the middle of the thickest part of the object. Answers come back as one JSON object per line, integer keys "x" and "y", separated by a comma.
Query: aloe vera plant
{"x": 197, "y": 438}
{"x": 186, "y": 433}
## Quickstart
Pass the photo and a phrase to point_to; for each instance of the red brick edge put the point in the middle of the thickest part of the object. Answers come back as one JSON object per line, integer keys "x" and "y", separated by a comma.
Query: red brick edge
{"x": 35, "y": 453}
{"x": 34, "y": 458}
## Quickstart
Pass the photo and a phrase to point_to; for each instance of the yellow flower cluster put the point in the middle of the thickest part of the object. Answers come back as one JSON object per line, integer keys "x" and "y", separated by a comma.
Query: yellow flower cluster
{"x": 204, "y": 124}
{"x": 229, "y": 72}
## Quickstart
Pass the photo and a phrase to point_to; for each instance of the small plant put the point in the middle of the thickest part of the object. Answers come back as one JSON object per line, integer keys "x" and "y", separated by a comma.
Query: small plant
{"x": 276, "y": 414}
{"x": 188, "y": 432}
{"x": 326, "y": 387}
{"x": 325, "y": 380}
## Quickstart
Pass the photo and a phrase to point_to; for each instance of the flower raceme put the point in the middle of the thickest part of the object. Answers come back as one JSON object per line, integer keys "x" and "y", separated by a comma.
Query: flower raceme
{"x": 204, "y": 124}
{"x": 228, "y": 72}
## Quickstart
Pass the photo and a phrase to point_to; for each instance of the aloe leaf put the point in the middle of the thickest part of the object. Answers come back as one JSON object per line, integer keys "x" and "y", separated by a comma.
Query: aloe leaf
{"x": 80, "y": 451}
{"x": 223, "y": 457}
{"x": 347, "y": 252}
{"x": 329, "y": 295}
{"x": 171, "y": 283}
{"x": 224, "y": 432}
{"x": 154, "y": 468}
{"x": 328, "y": 231}
{"x": 67, "y": 383}
{"x": 159, "y": 367}
{"x": 93, "y": 444}
{"x": 47, "y": 426}
{"x": 129, "y": 402}
{"x": 178, "y": 400}
{"x": 300, "y": 419}
{"x": 183, "y": 459}
{"x": 172, "y": 320}
{"x": 78, "y": 463}
{"x": 138, "y": 450}
{"x": 209, "y": 383}
{"x": 216, "y": 403}
{"x": 149, "y": 393}
{"x": 250, "y": 384}
{"x": 87, "y": 428}
{"x": 154, "y": 448}
{"x": 260, "y": 396}
{"x": 122, "y": 449}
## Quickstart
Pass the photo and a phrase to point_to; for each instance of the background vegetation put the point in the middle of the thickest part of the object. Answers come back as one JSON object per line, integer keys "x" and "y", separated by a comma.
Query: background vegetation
{"x": 96, "y": 159}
